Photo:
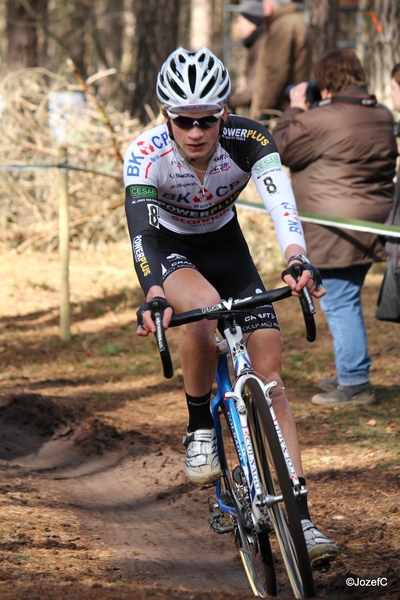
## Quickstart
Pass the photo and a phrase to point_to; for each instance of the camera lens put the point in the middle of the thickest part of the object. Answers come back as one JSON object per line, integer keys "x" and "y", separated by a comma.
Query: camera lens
{"x": 286, "y": 93}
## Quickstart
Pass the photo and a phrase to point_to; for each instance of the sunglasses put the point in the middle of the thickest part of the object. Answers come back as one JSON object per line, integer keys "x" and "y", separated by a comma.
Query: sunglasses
{"x": 188, "y": 123}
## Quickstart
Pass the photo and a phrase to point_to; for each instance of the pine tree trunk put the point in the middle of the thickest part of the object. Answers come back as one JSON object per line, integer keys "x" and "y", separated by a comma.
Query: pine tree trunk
{"x": 25, "y": 46}
{"x": 324, "y": 22}
{"x": 201, "y": 24}
{"x": 156, "y": 34}
{"x": 384, "y": 50}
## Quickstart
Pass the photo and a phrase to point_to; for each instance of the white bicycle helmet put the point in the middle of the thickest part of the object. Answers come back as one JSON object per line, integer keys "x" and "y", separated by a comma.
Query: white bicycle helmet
{"x": 193, "y": 81}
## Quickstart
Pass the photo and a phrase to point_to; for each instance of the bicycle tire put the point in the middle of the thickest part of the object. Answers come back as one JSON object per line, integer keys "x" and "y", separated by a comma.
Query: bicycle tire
{"x": 290, "y": 536}
{"x": 254, "y": 549}
{"x": 283, "y": 536}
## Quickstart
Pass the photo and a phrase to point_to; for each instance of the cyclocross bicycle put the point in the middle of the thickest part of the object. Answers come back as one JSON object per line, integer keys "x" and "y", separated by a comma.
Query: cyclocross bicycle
{"x": 258, "y": 492}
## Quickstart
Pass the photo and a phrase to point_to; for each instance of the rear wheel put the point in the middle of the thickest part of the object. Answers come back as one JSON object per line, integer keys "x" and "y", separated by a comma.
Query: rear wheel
{"x": 290, "y": 535}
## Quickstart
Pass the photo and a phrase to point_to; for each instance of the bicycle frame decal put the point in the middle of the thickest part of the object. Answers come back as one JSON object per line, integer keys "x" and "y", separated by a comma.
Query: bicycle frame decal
{"x": 233, "y": 427}
{"x": 237, "y": 347}
{"x": 255, "y": 485}
{"x": 285, "y": 451}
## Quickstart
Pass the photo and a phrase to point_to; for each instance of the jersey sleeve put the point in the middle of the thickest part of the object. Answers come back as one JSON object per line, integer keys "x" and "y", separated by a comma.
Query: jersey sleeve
{"x": 253, "y": 148}
{"x": 141, "y": 207}
{"x": 141, "y": 180}
{"x": 142, "y": 213}
{"x": 276, "y": 193}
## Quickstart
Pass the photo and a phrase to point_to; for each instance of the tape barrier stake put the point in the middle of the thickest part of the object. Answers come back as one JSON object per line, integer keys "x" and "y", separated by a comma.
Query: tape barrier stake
{"x": 63, "y": 242}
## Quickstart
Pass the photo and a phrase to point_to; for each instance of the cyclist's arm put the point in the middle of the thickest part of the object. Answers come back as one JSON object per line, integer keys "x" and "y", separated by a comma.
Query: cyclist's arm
{"x": 141, "y": 208}
{"x": 276, "y": 193}
{"x": 143, "y": 225}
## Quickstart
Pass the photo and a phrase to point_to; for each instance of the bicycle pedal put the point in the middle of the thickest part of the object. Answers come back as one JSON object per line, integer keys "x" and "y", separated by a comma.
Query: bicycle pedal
{"x": 322, "y": 567}
{"x": 220, "y": 527}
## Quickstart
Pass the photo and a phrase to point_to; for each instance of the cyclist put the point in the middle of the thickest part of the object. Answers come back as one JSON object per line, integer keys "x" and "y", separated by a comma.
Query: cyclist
{"x": 182, "y": 179}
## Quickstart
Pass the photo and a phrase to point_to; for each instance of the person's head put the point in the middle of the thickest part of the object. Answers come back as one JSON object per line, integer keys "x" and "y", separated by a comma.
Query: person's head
{"x": 270, "y": 6}
{"x": 339, "y": 70}
{"x": 193, "y": 87}
{"x": 250, "y": 17}
{"x": 395, "y": 86}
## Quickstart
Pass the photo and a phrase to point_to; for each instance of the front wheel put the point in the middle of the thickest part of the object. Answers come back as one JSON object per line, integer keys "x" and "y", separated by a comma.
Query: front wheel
{"x": 290, "y": 535}
{"x": 254, "y": 549}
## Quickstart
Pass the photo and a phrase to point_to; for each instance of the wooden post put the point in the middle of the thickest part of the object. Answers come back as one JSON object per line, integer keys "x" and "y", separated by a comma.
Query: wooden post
{"x": 63, "y": 241}
{"x": 66, "y": 109}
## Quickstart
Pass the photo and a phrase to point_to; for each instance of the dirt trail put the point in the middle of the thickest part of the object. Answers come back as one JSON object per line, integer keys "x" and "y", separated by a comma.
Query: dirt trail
{"x": 136, "y": 503}
{"x": 94, "y": 502}
{"x": 136, "y": 513}
{"x": 155, "y": 523}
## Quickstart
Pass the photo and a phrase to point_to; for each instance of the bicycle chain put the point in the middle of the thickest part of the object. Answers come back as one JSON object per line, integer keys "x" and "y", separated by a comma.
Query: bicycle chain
{"x": 248, "y": 512}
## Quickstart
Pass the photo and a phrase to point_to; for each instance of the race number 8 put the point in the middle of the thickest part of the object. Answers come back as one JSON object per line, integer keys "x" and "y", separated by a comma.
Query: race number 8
{"x": 269, "y": 184}
{"x": 153, "y": 215}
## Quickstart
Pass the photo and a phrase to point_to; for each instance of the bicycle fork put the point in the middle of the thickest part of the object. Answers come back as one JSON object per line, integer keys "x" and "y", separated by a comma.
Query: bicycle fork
{"x": 247, "y": 473}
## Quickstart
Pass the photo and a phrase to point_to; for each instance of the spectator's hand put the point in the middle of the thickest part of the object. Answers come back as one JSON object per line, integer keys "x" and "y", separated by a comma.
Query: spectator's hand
{"x": 297, "y": 96}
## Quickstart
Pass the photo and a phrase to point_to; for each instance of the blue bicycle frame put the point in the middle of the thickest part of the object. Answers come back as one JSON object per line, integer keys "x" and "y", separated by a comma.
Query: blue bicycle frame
{"x": 224, "y": 385}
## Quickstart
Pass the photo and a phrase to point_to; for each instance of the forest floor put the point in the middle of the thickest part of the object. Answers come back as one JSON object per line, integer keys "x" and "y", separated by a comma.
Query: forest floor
{"x": 94, "y": 502}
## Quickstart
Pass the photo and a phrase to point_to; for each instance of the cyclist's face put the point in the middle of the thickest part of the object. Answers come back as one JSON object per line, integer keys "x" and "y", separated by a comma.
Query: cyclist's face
{"x": 198, "y": 142}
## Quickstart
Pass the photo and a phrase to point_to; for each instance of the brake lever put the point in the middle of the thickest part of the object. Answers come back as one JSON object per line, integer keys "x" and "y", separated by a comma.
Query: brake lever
{"x": 308, "y": 308}
{"x": 161, "y": 340}
{"x": 309, "y": 300}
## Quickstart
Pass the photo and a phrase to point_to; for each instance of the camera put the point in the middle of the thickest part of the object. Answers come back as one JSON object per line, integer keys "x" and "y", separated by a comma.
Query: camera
{"x": 313, "y": 93}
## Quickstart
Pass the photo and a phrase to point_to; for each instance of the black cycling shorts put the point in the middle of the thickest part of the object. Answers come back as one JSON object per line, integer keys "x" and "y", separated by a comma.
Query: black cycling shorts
{"x": 223, "y": 258}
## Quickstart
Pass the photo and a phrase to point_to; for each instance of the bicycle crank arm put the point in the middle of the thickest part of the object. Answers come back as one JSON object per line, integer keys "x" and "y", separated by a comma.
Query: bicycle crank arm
{"x": 218, "y": 527}
{"x": 269, "y": 500}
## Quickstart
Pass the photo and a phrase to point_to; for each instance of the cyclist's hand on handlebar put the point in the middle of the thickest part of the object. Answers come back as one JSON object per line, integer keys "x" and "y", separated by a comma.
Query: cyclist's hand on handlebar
{"x": 156, "y": 300}
{"x": 299, "y": 276}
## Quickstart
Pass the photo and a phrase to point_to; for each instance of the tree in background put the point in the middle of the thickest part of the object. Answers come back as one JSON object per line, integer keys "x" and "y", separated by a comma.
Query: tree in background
{"x": 324, "y": 21}
{"x": 372, "y": 29}
{"x": 26, "y": 40}
{"x": 383, "y": 32}
{"x": 201, "y": 23}
{"x": 156, "y": 36}
{"x": 134, "y": 37}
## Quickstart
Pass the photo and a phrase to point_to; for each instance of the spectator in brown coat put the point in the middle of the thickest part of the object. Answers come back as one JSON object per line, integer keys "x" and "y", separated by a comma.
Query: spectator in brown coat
{"x": 392, "y": 245}
{"x": 342, "y": 156}
{"x": 284, "y": 58}
{"x": 249, "y": 24}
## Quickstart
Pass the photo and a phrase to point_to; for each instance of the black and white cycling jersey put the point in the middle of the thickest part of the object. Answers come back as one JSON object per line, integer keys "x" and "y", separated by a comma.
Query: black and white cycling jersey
{"x": 163, "y": 190}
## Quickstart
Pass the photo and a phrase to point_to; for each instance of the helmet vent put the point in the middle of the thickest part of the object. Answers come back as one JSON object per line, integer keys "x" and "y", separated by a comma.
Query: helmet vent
{"x": 210, "y": 85}
{"x": 176, "y": 70}
{"x": 225, "y": 91}
{"x": 192, "y": 77}
{"x": 177, "y": 89}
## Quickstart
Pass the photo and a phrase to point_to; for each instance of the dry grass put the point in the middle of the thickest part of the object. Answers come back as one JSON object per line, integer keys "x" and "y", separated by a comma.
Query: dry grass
{"x": 113, "y": 380}
{"x": 351, "y": 456}
{"x": 95, "y": 137}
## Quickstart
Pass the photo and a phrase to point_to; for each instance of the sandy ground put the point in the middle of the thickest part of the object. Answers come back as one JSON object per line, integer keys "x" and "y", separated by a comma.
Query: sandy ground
{"x": 94, "y": 502}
